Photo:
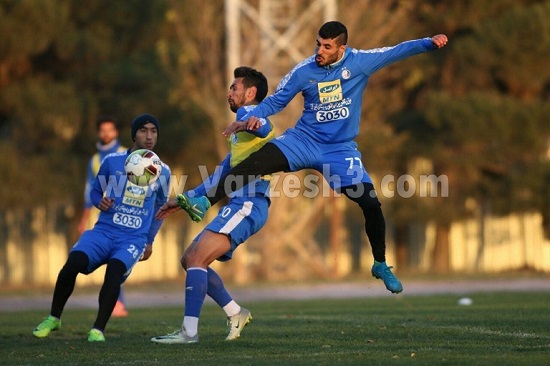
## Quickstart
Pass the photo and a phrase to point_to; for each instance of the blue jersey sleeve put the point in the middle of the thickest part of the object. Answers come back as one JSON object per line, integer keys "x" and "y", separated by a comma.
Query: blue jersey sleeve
{"x": 220, "y": 171}
{"x": 98, "y": 185}
{"x": 377, "y": 58}
{"x": 265, "y": 127}
{"x": 287, "y": 89}
{"x": 155, "y": 226}
{"x": 163, "y": 193}
{"x": 105, "y": 183}
{"x": 88, "y": 186}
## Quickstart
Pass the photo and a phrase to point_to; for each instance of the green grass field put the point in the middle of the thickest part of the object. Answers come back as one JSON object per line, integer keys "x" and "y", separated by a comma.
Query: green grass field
{"x": 498, "y": 329}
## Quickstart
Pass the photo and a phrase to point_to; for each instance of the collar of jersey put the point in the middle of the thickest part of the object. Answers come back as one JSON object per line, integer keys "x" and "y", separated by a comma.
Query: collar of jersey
{"x": 337, "y": 63}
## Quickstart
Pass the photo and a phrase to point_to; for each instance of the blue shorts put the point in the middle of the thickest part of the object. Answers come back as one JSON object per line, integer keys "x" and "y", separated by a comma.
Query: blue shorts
{"x": 339, "y": 163}
{"x": 100, "y": 246}
{"x": 241, "y": 218}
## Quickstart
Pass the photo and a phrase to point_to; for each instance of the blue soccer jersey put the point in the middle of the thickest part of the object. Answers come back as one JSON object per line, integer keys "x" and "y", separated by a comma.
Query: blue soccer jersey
{"x": 333, "y": 94}
{"x": 123, "y": 231}
{"x": 323, "y": 138}
{"x": 134, "y": 207}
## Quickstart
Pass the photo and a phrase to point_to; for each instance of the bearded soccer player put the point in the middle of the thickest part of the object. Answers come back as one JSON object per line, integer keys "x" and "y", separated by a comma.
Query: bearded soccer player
{"x": 332, "y": 82}
{"x": 242, "y": 217}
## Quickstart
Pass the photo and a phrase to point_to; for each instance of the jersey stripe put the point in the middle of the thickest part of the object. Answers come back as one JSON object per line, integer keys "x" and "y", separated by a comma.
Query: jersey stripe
{"x": 237, "y": 218}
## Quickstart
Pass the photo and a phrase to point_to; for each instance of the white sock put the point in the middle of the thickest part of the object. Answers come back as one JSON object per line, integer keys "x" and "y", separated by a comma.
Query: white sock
{"x": 191, "y": 325}
{"x": 232, "y": 308}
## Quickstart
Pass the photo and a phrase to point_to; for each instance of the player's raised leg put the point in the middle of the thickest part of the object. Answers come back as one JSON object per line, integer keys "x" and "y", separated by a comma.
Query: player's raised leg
{"x": 375, "y": 226}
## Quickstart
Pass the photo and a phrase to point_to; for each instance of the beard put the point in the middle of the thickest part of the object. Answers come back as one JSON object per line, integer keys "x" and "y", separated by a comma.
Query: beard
{"x": 233, "y": 108}
{"x": 321, "y": 61}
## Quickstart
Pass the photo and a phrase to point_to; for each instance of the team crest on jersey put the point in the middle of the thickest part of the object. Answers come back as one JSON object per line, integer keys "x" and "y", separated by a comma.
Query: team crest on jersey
{"x": 134, "y": 195}
{"x": 346, "y": 74}
{"x": 330, "y": 91}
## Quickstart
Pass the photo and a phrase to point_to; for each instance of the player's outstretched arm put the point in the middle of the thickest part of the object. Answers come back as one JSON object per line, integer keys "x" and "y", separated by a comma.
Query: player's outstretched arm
{"x": 252, "y": 124}
{"x": 439, "y": 40}
{"x": 168, "y": 208}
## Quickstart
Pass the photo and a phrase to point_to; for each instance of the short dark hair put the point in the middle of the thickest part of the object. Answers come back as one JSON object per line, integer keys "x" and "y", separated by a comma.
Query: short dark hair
{"x": 334, "y": 29}
{"x": 252, "y": 77}
{"x": 106, "y": 119}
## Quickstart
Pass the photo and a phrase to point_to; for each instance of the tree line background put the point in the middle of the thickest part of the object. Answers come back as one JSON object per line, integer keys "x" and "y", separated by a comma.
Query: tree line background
{"x": 476, "y": 111}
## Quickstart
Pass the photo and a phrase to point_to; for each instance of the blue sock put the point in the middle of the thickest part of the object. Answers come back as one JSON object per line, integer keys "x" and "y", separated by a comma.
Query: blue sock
{"x": 121, "y": 296}
{"x": 216, "y": 289}
{"x": 196, "y": 284}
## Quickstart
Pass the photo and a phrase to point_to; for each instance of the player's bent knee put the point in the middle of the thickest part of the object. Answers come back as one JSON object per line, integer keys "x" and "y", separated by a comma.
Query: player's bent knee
{"x": 77, "y": 262}
{"x": 192, "y": 259}
{"x": 363, "y": 194}
{"x": 116, "y": 269}
{"x": 202, "y": 258}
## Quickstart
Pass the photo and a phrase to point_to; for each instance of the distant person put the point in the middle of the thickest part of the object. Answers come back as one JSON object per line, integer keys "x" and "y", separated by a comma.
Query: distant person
{"x": 242, "y": 217}
{"x": 332, "y": 82}
{"x": 122, "y": 236}
{"x": 107, "y": 143}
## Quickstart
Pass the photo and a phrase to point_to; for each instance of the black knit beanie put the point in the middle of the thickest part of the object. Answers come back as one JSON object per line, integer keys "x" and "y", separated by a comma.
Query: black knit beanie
{"x": 141, "y": 120}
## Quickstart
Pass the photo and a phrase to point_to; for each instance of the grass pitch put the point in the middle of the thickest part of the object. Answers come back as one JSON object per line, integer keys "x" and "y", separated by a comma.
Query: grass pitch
{"x": 498, "y": 329}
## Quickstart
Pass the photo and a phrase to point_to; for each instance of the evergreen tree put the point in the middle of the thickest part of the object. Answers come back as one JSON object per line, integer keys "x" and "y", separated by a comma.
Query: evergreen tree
{"x": 483, "y": 123}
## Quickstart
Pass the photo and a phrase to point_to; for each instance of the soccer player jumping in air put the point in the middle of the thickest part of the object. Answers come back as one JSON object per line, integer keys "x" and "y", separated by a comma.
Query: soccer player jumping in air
{"x": 332, "y": 82}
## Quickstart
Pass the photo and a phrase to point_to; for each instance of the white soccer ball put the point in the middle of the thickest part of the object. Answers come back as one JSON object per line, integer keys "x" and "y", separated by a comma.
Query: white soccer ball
{"x": 465, "y": 301}
{"x": 143, "y": 167}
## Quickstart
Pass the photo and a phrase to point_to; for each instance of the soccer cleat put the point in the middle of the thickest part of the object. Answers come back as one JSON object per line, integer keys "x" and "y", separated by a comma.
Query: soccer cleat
{"x": 178, "y": 337}
{"x": 48, "y": 324}
{"x": 236, "y": 324}
{"x": 195, "y": 207}
{"x": 381, "y": 271}
{"x": 96, "y": 335}
{"x": 120, "y": 310}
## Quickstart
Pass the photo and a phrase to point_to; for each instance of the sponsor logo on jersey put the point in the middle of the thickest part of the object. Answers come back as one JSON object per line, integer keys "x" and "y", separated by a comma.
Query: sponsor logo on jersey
{"x": 135, "y": 190}
{"x": 330, "y": 91}
{"x": 134, "y": 195}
